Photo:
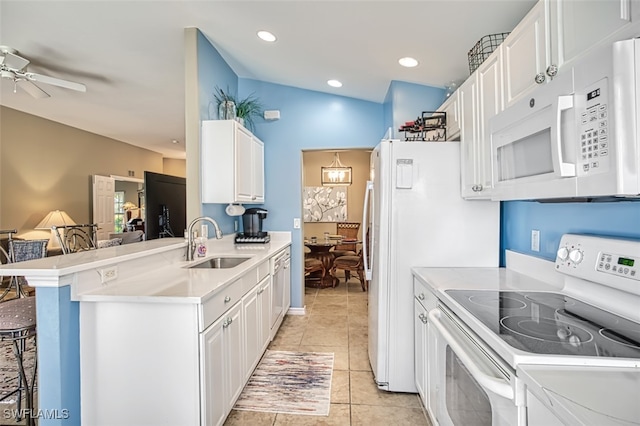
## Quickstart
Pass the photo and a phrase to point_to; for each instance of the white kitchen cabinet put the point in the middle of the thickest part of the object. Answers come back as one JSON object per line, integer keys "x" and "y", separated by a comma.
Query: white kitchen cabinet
{"x": 232, "y": 163}
{"x": 525, "y": 55}
{"x": 467, "y": 97}
{"x": 556, "y": 32}
{"x": 420, "y": 349}
{"x": 538, "y": 414}
{"x": 575, "y": 26}
{"x": 222, "y": 366}
{"x": 451, "y": 108}
{"x": 257, "y": 329}
{"x": 425, "y": 359}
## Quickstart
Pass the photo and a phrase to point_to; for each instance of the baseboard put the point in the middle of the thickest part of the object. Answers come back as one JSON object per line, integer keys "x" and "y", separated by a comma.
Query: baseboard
{"x": 297, "y": 311}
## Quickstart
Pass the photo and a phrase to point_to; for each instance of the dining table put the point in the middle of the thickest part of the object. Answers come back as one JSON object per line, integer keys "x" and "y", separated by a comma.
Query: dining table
{"x": 321, "y": 250}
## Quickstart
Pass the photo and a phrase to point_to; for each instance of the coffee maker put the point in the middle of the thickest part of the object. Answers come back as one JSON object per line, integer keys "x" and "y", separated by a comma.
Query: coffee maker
{"x": 252, "y": 227}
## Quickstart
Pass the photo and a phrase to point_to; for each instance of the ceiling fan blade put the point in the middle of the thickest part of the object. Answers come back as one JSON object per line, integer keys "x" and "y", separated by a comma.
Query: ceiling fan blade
{"x": 32, "y": 89}
{"x": 14, "y": 62}
{"x": 56, "y": 82}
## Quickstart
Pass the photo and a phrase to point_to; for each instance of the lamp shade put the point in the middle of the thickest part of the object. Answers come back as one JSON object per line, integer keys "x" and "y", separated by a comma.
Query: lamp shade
{"x": 55, "y": 218}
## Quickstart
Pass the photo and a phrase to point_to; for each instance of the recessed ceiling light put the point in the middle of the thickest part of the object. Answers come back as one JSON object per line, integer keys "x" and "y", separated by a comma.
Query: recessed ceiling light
{"x": 175, "y": 141}
{"x": 266, "y": 36}
{"x": 408, "y": 62}
{"x": 334, "y": 83}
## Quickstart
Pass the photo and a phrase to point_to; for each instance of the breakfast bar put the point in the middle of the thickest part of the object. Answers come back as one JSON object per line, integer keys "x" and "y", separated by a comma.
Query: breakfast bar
{"x": 112, "y": 322}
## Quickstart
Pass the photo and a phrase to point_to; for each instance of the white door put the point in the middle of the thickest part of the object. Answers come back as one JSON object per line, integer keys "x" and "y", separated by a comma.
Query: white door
{"x": 103, "y": 209}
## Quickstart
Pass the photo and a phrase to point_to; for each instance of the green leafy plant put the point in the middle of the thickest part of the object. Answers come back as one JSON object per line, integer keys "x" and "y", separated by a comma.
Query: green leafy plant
{"x": 247, "y": 108}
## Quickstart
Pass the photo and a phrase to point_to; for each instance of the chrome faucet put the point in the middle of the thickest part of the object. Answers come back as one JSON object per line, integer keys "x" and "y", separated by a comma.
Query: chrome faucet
{"x": 191, "y": 246}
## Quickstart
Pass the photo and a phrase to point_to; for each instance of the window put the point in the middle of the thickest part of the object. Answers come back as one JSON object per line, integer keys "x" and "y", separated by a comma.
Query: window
{"x": 118, "y": 209}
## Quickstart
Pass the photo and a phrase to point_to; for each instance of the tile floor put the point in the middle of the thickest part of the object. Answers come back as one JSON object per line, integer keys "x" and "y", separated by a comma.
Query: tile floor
{"x": 336, "y": 321}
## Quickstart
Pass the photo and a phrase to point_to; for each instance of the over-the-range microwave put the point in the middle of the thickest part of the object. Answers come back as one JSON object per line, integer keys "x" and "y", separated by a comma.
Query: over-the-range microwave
{"x": 577, "y": 136}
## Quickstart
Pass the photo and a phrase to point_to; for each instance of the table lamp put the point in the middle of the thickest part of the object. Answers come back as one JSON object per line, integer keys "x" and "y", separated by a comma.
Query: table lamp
{"x": 55, "y": 218}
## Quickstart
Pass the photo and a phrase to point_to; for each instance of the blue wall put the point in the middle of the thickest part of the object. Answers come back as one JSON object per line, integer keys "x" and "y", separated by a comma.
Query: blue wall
{"x": 308, "y": 120}
{"x": 406, "y": 102}
{"x": 617, "y": 219}
{"x": 213, "y": 71}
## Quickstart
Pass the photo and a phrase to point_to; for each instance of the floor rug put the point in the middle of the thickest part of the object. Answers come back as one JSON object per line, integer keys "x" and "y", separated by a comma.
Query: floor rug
{"x": 290, "y": 383}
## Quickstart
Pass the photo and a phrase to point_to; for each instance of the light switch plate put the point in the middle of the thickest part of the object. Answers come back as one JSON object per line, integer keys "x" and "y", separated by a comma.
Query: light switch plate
{"x": 296, "y": 223}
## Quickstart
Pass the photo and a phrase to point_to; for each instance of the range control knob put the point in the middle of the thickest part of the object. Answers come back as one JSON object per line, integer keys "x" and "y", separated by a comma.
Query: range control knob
{"x": 576, "y": 256}
{"x": 563, "y": 253}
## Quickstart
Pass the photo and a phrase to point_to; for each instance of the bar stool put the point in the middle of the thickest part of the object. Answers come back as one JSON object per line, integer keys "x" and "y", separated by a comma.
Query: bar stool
{"x": 17, "y": 324}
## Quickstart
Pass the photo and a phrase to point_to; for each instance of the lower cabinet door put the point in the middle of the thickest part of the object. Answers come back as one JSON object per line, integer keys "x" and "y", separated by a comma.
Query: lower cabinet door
{"x": 212, "y": 371}
{"x": 264, "y": 299}
{"x": 234, "y": 353}
{"x": 222, "y": 366}
{"x": 251, "y": 305}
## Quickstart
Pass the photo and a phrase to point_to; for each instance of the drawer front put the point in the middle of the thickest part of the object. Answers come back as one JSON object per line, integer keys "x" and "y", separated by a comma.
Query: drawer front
{"x": 213, "y": 308}
{"x": 424, "y": 294}
{"x": 263, "y": 270}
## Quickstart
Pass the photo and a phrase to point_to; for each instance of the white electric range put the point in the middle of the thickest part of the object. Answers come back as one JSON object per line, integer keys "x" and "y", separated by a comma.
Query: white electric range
{"x": 492, "y": 324}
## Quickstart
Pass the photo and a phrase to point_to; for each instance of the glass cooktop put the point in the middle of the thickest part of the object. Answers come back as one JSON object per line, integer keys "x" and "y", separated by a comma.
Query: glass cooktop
{"x": 551, "y": 323}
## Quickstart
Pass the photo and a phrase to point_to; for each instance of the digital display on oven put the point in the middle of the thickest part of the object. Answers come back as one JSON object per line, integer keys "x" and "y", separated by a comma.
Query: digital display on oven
{"x": 593, "y": 94}
{"x": 625, "y": 261}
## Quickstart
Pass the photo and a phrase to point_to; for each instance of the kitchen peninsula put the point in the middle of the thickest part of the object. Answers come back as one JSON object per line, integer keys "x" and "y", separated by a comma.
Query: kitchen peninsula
{"x": 141, "y": 336}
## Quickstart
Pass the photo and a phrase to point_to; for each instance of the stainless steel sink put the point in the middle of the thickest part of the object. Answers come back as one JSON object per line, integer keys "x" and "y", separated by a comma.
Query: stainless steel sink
{"x": 221, "y": 262}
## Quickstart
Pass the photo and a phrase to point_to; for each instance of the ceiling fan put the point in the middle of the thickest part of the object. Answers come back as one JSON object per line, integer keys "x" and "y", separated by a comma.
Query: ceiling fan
{"x": 14, "y": 67}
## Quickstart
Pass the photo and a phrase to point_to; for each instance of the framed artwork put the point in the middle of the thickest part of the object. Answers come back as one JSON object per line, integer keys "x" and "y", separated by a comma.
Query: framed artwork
{"x": 324, "y": 204}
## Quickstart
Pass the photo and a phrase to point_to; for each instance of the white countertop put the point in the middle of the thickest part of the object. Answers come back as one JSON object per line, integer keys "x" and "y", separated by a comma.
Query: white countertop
{"x": 586, "y": 395}
{"x": 166, "y": 279}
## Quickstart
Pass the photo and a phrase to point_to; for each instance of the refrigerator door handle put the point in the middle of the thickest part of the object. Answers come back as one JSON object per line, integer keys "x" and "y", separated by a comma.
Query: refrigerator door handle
{"x": 365, "y": 214}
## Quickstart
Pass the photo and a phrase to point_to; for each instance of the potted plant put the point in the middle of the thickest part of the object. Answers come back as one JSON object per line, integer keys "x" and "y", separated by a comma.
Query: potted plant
{"x": 245, "y": 110}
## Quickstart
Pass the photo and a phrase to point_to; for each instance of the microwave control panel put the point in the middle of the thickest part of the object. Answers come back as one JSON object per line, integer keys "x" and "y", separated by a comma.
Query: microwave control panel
{"x": 592, "y": 108}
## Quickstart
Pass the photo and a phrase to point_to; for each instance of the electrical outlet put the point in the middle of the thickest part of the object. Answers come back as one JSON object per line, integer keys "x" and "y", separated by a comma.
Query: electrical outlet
{"x": 296, "y": 223}
{"x": 535, "y": 240}
{"x": 108, "y": 274}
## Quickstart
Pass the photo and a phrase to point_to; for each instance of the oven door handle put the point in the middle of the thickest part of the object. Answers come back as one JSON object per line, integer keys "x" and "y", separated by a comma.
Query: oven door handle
{"x": 492, "y": 384}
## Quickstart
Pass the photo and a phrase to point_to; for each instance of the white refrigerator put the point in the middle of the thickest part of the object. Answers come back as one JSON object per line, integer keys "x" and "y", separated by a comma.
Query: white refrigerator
{"x": 416, "y": 218}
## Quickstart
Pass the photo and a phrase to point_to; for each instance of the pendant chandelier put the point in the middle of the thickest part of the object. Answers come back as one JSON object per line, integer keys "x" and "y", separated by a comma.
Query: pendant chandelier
{"x": 336, "y": 174}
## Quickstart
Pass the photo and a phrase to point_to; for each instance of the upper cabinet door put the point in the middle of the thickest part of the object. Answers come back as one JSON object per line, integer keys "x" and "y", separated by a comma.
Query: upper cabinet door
{"x": 491, "y": 103}
{"x": 525, "y": 55}
{"x": 575, "y": 26}
{"x": 257, "y": 159}
{"x": 244, "y": 174}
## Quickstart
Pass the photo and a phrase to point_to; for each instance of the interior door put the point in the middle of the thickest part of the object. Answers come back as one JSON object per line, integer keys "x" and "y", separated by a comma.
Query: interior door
{"x": 103, "y": 208}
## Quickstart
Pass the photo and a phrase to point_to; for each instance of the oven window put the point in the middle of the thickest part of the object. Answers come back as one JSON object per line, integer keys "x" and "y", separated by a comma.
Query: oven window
{"x": 467, "y": 403}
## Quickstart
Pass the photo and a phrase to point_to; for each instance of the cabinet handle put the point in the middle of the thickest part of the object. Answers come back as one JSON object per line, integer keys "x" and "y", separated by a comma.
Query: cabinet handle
{"x": 230, "y": 319}
{"x": 424, "y": 319}
{"x": 227, "y": 299}
{"x": 225, "y": 324}
{"x": 421, "y": 297}
{"x": 540, "y": 78}
{"x": 421, "y": 316}
{"x": 261, "y": 291}
{"x": 552, "y": 70}
{"x": 254, "y": 197}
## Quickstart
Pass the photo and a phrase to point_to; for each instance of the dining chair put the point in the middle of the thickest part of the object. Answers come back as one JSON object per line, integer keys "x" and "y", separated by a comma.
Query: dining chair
{"x": 17, "y": 326}
{"x": 348, "y": 264}
{"x": 21, "y": 251}
{"x": 75, "y": 238}
{"x": 313, "y": 265}
{"x": 348, "y": 231}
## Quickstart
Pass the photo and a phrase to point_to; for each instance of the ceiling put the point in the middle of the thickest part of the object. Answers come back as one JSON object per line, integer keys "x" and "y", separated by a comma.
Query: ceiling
{"x": 129, "y": 54}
